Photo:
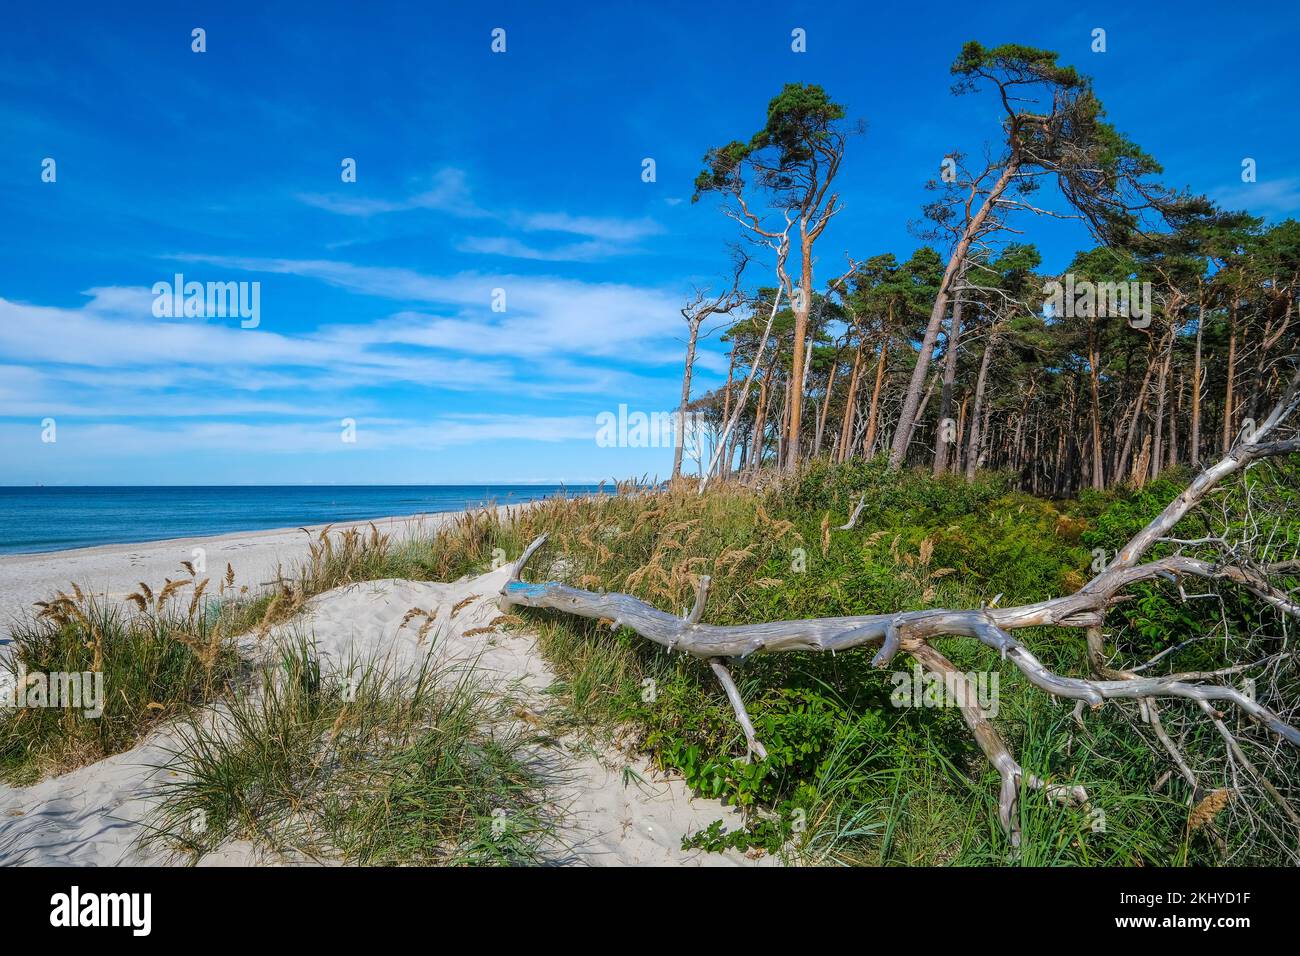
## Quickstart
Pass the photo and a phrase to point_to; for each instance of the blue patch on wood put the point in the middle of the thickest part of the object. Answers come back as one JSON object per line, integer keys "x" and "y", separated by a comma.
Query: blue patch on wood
{"x": 530, "y": 590}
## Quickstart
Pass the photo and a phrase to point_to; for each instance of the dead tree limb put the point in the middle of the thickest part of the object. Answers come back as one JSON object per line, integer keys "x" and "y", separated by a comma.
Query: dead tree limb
{"x": 911, "y": 631}
{"x": 853, "y": 518}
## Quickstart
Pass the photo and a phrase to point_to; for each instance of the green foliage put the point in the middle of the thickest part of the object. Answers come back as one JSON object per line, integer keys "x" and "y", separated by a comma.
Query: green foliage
{"x": 413, "y": 766}
{"x": 1019, "y": 62}
{"x": 800, "y": 130}
{"x": 797, "y": 726}
{"x": 156, "y": 663}
{"x": 870, "y": 781}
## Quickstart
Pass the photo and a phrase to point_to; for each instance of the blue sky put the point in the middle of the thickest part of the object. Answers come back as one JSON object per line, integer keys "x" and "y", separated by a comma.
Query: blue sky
{"x": 478, "y": 171}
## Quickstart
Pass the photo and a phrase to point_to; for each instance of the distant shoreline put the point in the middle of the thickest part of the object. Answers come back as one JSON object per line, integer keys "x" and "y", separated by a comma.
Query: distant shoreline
{"x": 55, "y": 520}
{"x": 114, "y": 570}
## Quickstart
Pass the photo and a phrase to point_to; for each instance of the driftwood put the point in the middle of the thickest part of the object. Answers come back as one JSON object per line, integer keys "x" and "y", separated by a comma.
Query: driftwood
{"x": 853, "y": 518}
{"x": 911, "y": 631}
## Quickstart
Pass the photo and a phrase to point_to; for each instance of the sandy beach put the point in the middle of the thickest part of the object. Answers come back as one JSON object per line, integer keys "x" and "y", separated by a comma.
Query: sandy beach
{"x": 115, "y": 570}
{"x": 617, "y": 809}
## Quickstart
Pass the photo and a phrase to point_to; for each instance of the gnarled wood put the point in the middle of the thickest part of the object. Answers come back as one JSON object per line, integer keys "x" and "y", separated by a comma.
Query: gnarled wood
{"x": 910, "y": 631}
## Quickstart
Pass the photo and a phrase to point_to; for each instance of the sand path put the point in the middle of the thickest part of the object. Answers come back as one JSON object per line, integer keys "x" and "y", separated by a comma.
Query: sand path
{"x": 93, "y": 816}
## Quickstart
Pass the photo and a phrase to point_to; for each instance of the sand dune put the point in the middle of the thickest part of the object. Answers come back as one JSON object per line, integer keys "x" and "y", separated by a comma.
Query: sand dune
{"x": 93, "y": 816}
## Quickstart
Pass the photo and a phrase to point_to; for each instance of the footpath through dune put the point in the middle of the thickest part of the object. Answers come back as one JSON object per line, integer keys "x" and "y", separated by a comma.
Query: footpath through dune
{"x": 610, "y": 816}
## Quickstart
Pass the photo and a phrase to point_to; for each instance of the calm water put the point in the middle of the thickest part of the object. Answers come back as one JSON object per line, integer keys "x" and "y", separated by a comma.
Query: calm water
{"x": 51, "y": 519}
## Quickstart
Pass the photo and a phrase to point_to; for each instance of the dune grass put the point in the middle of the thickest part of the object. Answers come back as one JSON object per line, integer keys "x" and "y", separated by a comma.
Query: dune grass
{"x": 368, "y": 764}
{"x": 158, "y": 657}
{"x": 852, "y": 778}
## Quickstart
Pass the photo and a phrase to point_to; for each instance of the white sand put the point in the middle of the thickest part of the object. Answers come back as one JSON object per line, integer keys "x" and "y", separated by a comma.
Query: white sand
{"x": 117, "y": 569}
{"x": 93, "y": 815}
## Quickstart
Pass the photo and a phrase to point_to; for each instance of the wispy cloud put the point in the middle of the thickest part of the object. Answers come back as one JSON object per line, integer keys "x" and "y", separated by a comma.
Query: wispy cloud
{"x": 1280, "y": 196}
{"x": 604, "y": 236}
{"x": 595, "y": 227}
{"x": 102, "y": 337}
{"x": 557, "y": 340}
{"x": 518, "y": 249}
{"x": 449, "y": 194}
{"x": 308, "y": 434}
{"x": 543, "y": 315}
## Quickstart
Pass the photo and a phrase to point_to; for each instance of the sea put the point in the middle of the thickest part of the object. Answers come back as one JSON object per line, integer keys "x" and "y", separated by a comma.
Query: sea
{"x": 39, "y": 519}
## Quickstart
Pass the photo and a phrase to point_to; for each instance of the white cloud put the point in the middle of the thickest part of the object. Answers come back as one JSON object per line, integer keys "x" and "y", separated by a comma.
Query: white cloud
{"x": 109, "y": 338}
{"x": 545, "y": 316}
{"x": 595, "y": 227}
{"x": 518, "y": 249}
{"x": 320, "y": 434}
{"x": 449, "y": 193}
{"x": 605, "y": 235}
{"x": 1272, "y": 195}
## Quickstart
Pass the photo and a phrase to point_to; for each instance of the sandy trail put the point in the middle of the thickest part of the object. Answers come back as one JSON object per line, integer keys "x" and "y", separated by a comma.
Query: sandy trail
{"x": 93, "y": 815}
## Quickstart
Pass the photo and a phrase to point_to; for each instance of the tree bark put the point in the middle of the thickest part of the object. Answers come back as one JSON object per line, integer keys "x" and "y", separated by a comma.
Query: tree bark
{"x": 973, "y": 449}
{"x": 941, "y": 447}
{"x": 1094, "y": 382}
{"x": 907, "y": 417}
{"x": 851, "y": 404}
{"x": 873, "y": 415}
{"x": 1194, "y": 452}
{"x": 800, "y": 335}
{"x": 680, "y": 435}
{"x": 1232, "y": 365}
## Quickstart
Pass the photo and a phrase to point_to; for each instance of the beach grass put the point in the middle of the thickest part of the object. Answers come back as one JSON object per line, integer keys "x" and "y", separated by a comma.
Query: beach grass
{"x": 368, "y": 763}
{"x": 150, "y": 660}
{"x": 851, "y": 778}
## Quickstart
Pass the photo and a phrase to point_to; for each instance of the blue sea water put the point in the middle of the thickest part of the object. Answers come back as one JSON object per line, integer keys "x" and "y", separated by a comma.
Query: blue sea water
{"x": 52, "y": 519}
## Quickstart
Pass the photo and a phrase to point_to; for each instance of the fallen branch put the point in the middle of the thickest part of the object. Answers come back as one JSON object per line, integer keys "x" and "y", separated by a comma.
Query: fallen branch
{"x": 853, "y": 518}
{"x": 910, "y": 632}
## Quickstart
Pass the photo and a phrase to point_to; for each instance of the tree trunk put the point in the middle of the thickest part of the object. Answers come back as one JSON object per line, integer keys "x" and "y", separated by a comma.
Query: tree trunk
{"x": 760, "y": 418}
{"x": 873, "y": 416}
{"x": 1162, "y": 382}
{"x": 961, "y": 431}
{"x": 680, "y": 431}
{"x": 1195, "y": 449}
{"x": 1094, "y": 383}
{"x": 825, "y": 410}
{"x": 797, "y": 362}
{"x": 973, "y": 449}
{"x": 949, "y": 378}
{"x": 1138, "y": 404}
{"x": 851, "y": 404}
{"x": 1177, "y": 410}
{"x": 1232, "y": 363}
{"x": 907, "y": 417}
{"x": 728, "y": 442}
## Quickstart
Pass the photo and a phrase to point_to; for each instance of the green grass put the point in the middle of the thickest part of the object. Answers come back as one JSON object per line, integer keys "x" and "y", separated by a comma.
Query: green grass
{"x": 369, "y": 764}
{"x": 158, "y": 659}
{"x": 852, "y": 779}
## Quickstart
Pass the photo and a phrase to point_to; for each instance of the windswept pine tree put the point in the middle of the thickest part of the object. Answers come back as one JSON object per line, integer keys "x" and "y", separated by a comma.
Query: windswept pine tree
{"x": 1159, "y": 342}
{"x": 785, "y": 171}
